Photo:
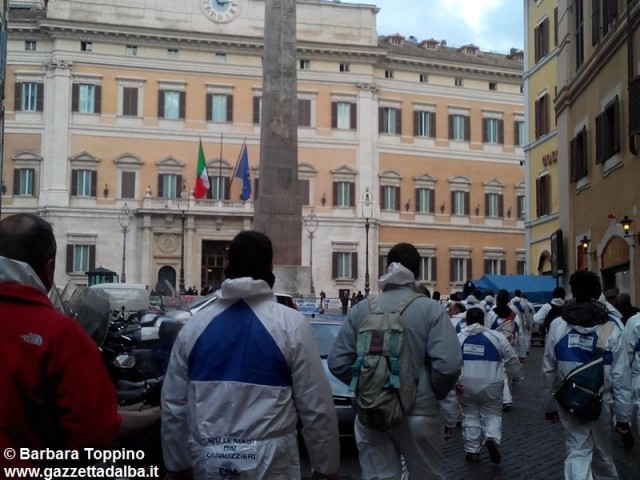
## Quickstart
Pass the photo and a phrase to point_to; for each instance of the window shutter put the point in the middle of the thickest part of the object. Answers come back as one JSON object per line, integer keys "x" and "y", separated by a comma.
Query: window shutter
{"x": 354, "y": 265}
{"x": 466, "y": 203}
{"x": 595, "y": 21}
{"x": 545, "y": 114}
{"x": 600, "y": 123}
{"x": 538, "y": 198}
{"x": 501, "y": 132}
{"x": 160, "y": 186}
{"x": 503, "y": 267}
{"x": 92, "y": 257}
{"x": 555, "y": 27}
{"x": 209, "y": 114}
{"x": 16, "y": 181}
{"x": 183, "y": 104}
{"x": 75, "y": 94}
{"x": 94, "y": 182}
{"x": 383, "y": 202}
{"x": 353, "y": 111}
{"x": 179, "y": 186}
{"x": 416, "y": 123}
{"x": 584, "y": 156}
{"x": 334, "y": 114}
{"x": 452, "y": 269}
{"x": 256, "y": 189}
{"x": 334, "y": 265}
{"x": 432, "y": 124}
{"x": 450, "y": 127}
{"x": 501, "y": 206}
{"x": 352, "y": 194}
{"x": 74, "y": 182}
{"x": 487, "y": 266}
{"x": 398, "y": 199}
{"x": 486, "y": 204}
{"x": 17, "y": 98}
{"x": 256, "y": 110}
{"x": 453, "y": 202}
{"x": 485, "y": 133}
{"x": 303, "y": 191}
{"x": 432, "y": 200}
{"x": 304, "y": 115}
{"x": 97, "y": 100}
{"x": 160, "y": 103}
{"x": 615, "y": 144}
{"x": 335, "y": 194}
{"x": 229, "y": 108}
{"x": 69, "y": 258}
{"x": 572, "y": 160}
{"x": 381, "y": 123}
{"x": 537, "y": 118}
{"x": 536, "y": 43}
{"x": 469, "y": 269}
{"x": 399, "y": 121}
{"x": 467, "y": 128}
{"x": 516, "y": 134}
{"x": 417, "y": 200}
{"x": 545, "y": 36}
{"x": 434, "y": 269}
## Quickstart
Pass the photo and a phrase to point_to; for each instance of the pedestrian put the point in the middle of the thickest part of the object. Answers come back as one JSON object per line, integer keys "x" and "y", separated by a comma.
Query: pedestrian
{"x": 56, "y": 392}
{"x": 525, "y": 311}
{"x": 458, "y": 315}
{"x": 480, "y": 387}
{"x": 226, "y": 410}
{"x": 344, "y": 302}
{"x": 473, "y": 299}
{"x": 631, "y": 341}
{"x": 571, "y": 342}
{"x": 433, "y": 347}
{"x": 504, "y": 318}
{"x": 550, "y": 311}
{"x": 353, "y": 299}
{"x": 359, "y": 296}
{"x": 436, "y": 296}
{"x": 323, "y": 297}
{"x": 625, "y": 308}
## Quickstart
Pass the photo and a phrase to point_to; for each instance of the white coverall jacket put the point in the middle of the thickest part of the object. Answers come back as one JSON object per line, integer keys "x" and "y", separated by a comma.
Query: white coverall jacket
{"x": 631, "y": 339}
{"x": 570, "y": 343}
{"x": 484, "y": 352}
{"x": 241, "y": 373}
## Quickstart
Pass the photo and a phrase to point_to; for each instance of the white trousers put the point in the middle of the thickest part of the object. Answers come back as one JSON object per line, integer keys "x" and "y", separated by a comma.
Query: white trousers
{"x": 481, "y": 417}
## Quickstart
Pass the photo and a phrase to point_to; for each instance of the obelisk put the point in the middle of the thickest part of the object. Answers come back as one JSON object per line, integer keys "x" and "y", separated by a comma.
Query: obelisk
{"x": 278, "y": 209}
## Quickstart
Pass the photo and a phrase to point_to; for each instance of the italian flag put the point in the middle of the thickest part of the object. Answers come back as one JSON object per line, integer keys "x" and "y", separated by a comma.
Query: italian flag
{"x": 202, "y": 178}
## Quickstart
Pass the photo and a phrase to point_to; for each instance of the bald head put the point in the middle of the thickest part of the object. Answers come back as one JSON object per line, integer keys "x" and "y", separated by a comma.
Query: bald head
{"x": 29, "y": 238}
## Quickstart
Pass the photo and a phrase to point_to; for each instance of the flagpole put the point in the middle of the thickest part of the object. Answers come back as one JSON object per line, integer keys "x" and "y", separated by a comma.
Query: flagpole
{"x": 220, "y": 181}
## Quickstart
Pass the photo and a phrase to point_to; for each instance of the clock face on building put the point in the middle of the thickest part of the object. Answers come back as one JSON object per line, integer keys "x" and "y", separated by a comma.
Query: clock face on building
{"x": 220, "y": 11}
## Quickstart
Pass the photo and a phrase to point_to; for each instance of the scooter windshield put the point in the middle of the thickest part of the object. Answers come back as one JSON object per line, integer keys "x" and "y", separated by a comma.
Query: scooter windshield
{"x": 90, "y": 308}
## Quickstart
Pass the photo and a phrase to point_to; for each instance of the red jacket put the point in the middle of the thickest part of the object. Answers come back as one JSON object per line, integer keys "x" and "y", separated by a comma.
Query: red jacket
{"x": 55, "y": 390}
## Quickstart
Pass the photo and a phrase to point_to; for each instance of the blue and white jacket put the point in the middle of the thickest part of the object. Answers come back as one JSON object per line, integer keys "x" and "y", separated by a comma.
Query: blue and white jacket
{"x": 241, "y": 373}
{"x": 631, "y": 340}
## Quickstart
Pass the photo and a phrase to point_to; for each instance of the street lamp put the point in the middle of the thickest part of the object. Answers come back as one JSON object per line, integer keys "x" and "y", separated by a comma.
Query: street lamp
{"x": 367, "y": 213}
{"x": 124, "y": 219}
{"x": 311, "y": 224}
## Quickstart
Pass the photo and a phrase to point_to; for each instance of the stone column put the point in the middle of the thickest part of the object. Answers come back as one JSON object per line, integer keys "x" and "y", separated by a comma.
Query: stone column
{"x": 278, "y": 209}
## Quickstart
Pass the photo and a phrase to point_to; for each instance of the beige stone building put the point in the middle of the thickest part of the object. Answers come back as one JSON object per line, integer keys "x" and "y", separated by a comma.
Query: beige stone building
{"x": 107, "y": 102}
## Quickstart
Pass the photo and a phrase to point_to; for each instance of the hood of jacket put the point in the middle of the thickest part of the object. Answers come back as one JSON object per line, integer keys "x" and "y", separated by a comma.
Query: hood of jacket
{"x": 474, "y": 329}
{"x": 14, "y": 271}
{"x": 471, "y": 300}
{"x": 397, "y": 274}
{"x": 243, "y": 287}
{"x": 585, "y": 314}
{"x": 558, "y": 302}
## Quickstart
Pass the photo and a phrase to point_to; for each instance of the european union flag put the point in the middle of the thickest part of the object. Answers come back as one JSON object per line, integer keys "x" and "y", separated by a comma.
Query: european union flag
{"x": 243, "y": 173}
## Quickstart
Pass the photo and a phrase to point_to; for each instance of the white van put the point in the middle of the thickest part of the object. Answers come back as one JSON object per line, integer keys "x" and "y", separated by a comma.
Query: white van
{"x": 132, "y": 296}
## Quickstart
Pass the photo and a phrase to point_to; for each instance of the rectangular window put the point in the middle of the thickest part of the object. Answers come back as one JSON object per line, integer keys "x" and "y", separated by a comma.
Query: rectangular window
{"x": 81, "y": 258}
{"x": 424, "y": 124}
{"x": 303, "y": 190}
{"x": 578, "y": 156}
{"x": 169, "y": 185}
{"x": 173, "y": 53}
{"x": 494, "y": 205}
{"x": 459, "y": 82}
{"x": 521, "y": 207}
{"x": 555, "y": 27}
{"x": 344, "y": 67}
{"x": 132, "y": 50}
{"x": 86, "y": 46}
{"x": 390, "y": 120}
{"x": 130, "y": 101}
{"x": 304, "y": 112}
{"x": 85, "y": 98}
{"x": 603, "y": 16}
{"x": 493, "y": 86}
{"x": 343, "y": 115}
{"x": 543, "y": 195}
{"x": 520, "y": 267}
{"x": 425, "y": 200}
{"x": 424, "y": 78}
{"x": 24, "y": 181}
{"x": 305, "y": 64}
{"x": 459, "y": 203}
{"x": 541, "y": 39}
{"x": 579, "y": 25}
{"x": 345, "y": 265}
{"x": 388, "y": 74}
{"x": 220, "y": 107}
{"x": 494, "y": 266}
{"x": 390, "y": 197}
{"x": 29, "y": 97}
{"x": 493, "y": 130}
{"x": 458, "y": 269}
{"x": 427, "y": 269}
{"x": 127, "y": 184}
{"x": 608, "y": 131}
{"x": 83, "y": 183}
{"x": 30, "y": 45}
{"x": 220, "y": 58}
{"x": 382, "y": 265}
{"x": 519, "y": 133}
{"x": 343, "y": 194}
{"x": 542, "y": 115}
{"x": 171, "y": 104}
{"x": 459, "y": 127}
{"x": 219, "y": 188}
{"x": 257, "y": 110}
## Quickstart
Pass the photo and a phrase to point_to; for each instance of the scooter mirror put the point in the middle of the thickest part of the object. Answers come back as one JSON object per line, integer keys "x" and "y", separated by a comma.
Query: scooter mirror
{"x": 125, "y": 361}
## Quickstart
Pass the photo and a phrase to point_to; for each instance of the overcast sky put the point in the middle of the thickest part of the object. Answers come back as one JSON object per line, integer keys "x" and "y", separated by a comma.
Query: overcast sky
{"x": 492, "y": 25}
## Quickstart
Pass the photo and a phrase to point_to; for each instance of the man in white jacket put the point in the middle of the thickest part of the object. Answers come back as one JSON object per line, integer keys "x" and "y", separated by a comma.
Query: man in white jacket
{"x": 480, "y": 387}
{"x": 241, "y": 374}
{"x": 631, "y": 339}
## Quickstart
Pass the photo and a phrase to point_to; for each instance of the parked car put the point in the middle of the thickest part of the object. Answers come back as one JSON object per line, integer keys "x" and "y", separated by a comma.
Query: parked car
{"x": 287, "y": 300}
{"x": 326, "y": 333}
{"x": 132, "y": 297}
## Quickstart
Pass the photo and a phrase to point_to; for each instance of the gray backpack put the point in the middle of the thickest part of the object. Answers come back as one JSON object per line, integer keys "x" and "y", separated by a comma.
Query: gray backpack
{"x": 383, "y": 378}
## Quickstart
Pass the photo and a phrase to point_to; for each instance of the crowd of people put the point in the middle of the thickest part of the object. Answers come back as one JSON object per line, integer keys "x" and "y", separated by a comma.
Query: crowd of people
{"x": 223, "y": 409}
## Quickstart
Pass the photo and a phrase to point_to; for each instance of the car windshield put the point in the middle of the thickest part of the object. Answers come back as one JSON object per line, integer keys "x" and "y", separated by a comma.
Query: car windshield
{"x": 326, "y": 334}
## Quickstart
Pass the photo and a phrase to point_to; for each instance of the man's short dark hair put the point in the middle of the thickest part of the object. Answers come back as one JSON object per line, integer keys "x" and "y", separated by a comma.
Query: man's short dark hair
{"x": 559, "y": 292}
{"x": 407, "y": 255}
{"x": 585, "y": 285}
{"x": 250, "y": 255}
{"x": 475, "y": 315}
{"x": 28, "y": 238}
{"x": 517, "y": 292}
{"x": 502, "y": 298}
